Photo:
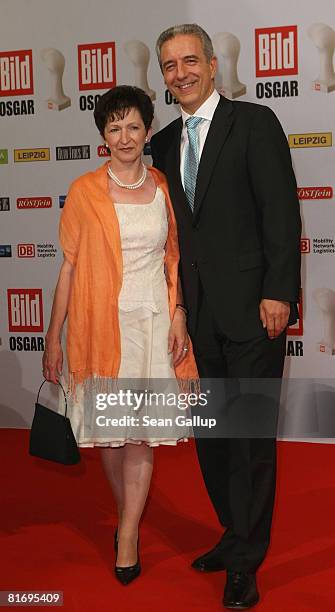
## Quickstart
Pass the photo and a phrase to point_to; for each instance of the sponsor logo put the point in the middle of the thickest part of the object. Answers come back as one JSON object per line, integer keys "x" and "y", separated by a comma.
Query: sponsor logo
{"x": 276, "y": 51}
{"x": 43, "y": 250}
{"x": 277, "y": 89}
{"x": 4, "y": 204}
{"x": 294, "y": 348}
{"x": 312, "y": 139}
{"x": 23, "y": 203}
{"x": 315, "y": 193}
{"x": 5, "y": 250}
{"x": 26, "y": 250}
{"x": 31, "y": 155}
{"x": 96, "y": 66}
{"x": 72, "y": 152}
{"x": 17, "y": 107}
{"x": 102, "y": 151}
{"x": 46, "y": 250}
{"x": 88, "y": 102}
{"x": 3, "y": 156}
{"x": 324, "y": 246}
{"x": 305, "y": 245}
{"x": 61, "y": 200}
{"x": 26, "y": 343}
{"x": 16, "y": 73}
{"x": 25, "y": 310}
{"x": 298, "y": 328}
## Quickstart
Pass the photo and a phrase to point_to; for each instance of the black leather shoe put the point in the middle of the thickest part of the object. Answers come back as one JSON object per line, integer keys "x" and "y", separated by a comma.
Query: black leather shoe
{"x": 211, "y": 561}
{"x": 240, "y": 591}
{"x": 127, "y": 574}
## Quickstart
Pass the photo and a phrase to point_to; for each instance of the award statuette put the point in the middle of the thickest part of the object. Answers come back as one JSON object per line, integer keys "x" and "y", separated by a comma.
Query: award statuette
{"x": 228, "y": 46}
{"x": 323, "y": 36}
{"x": 139, "y": 56}
{"x": 55, "y": 62}
{"x": 325, "y": 299}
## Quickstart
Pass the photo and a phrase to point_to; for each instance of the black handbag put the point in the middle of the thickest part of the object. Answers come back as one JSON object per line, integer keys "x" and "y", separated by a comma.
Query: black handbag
{"x": 51, "y": 435}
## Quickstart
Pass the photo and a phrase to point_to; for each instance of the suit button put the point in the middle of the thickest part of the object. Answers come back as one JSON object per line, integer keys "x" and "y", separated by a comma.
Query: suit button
{"x": 194, "y": 265}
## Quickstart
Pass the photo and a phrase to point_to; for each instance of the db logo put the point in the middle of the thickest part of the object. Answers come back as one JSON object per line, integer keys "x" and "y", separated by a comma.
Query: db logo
{"x": 305, "y": 245}
{"x": 16, "y": 73}
{"x": 276, "y": 51}
{"x": 25, "y": 310}
{"x": 26, "y": 250}
{"x": 96, "y": 66}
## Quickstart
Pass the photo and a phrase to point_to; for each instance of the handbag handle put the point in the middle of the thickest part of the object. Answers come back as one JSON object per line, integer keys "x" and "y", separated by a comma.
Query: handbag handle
{"x": 38, "y": 394}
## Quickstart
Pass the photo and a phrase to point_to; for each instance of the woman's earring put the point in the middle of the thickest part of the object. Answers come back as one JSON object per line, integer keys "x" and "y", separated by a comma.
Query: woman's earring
{"x": 107, "y": 147}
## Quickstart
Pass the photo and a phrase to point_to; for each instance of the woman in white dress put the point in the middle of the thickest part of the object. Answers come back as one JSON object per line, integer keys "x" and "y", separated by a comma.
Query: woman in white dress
{"x": 119, "y": 289}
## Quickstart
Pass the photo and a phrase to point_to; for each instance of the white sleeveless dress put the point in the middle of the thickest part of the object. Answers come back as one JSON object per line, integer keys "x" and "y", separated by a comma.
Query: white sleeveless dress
{"x": 144, "y": 326}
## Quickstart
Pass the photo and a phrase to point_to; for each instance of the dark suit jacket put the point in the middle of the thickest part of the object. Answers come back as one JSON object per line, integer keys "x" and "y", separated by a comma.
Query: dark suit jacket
{"x": 243, "y": 239}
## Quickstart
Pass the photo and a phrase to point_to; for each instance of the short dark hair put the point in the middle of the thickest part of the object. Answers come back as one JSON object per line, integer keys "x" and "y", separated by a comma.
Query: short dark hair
{"x": 182, "y": 29}
{"x": 117, "y": 102}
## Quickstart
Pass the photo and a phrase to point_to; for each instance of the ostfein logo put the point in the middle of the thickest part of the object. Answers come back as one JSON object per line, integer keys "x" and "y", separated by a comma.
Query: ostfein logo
{"x": 23, "y": 203}
{"x": 312, "y": 139}
{"x": 16, "y": 73}
{"x": 31, "y": 155}
{"x": 25, "y": 310}
{"x": 96, "y": 66}
{"x": 276, "y": 51}
{"x": 315, "y": 193}
{"x": 102, "y": 151}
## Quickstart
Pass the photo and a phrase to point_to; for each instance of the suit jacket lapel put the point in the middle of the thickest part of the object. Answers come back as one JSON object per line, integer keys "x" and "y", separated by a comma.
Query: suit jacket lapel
{"x": 216, "y": 137}
{"x": 177, "y": 192}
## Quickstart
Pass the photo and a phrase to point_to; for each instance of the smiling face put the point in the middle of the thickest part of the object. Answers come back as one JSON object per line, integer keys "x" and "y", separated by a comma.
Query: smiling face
{"x": 126, "y": 137}
{"x": 188, "y": 75}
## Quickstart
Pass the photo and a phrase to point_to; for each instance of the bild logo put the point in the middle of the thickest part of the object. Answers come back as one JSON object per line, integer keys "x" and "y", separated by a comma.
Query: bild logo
{"x": 16, "y": 73}
{"x": 276, "y": 51}
{"x": 96, "y": 66}
{"x": 25, "y": 310}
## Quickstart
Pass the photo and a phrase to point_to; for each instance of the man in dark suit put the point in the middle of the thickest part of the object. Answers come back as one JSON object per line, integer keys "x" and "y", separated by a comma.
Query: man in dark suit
{"x": 234, "y": 194}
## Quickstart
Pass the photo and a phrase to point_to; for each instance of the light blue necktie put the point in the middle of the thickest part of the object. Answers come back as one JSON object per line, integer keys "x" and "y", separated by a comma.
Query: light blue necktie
{"x": 191, "y": 159}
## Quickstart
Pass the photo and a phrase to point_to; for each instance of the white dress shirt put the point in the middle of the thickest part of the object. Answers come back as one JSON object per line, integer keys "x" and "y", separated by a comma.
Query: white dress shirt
{"x": 206, "y": 112}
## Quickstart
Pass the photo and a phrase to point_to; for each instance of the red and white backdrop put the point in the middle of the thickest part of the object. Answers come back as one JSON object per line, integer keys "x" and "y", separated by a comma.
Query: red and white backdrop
{"x": 56, "y": 59}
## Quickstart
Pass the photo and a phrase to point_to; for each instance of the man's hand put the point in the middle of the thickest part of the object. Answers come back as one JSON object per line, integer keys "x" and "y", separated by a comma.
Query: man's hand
{"x": 274, "y": 316}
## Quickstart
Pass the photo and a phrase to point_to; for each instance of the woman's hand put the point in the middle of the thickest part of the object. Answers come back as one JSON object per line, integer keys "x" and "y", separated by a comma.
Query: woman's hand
{"x": 52, "y": 361}
{"x": 178, "y": 337}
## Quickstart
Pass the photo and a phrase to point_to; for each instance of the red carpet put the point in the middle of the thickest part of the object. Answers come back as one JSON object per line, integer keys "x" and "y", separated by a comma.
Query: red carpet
{"x": 57, "y": 532}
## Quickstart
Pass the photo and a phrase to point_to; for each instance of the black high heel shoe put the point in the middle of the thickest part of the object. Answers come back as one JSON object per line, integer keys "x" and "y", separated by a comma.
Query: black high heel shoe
{"x": 125, "y": 575}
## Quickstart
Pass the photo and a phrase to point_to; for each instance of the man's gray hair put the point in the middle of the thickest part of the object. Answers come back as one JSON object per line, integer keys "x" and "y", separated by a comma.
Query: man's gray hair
{"x": 186, "y": 28}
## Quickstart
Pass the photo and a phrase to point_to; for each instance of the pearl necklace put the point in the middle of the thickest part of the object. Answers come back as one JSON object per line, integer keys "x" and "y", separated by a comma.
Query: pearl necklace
{"x": 136, "y": 185}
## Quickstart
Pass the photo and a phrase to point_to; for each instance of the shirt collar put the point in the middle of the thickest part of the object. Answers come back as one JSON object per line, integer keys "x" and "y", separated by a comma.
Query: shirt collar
{"x": 206, "y": 110}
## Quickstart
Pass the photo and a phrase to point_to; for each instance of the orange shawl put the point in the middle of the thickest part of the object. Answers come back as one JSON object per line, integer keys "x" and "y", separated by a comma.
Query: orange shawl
{"x": 90, "y": 237}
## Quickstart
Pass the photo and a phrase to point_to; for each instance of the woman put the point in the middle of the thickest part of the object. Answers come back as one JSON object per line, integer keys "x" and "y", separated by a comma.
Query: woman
{"x": 119, "y": 288}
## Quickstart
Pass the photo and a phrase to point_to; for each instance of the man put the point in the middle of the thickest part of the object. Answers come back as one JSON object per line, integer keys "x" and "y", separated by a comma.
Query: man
{"x": 234, "y": 194}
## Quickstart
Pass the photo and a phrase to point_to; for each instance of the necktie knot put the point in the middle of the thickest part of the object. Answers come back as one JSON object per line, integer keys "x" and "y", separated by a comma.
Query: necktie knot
{"x": 192, "y": 123}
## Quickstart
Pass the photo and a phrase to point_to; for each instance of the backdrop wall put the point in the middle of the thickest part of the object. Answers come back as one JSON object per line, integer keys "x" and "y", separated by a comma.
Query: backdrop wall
{"x": 57, "y": 58}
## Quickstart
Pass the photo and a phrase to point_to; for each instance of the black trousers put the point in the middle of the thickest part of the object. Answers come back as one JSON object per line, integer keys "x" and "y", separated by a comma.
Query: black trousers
{"x": 239, "y": 473}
